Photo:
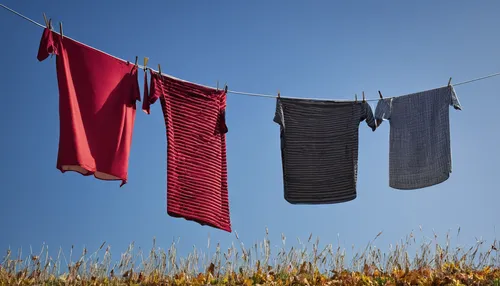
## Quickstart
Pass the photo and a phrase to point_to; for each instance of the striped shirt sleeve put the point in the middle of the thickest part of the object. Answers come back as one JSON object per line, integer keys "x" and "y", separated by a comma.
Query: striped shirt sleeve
{"x": 383, "y": 110}
{"x": 454, "y": 100}
{"x": 368, "y": 116}
{"x": 278, "y": 114}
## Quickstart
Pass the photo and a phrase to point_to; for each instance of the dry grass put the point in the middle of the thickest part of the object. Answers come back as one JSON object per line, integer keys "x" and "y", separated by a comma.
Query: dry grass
{"x": 430, "y": 264}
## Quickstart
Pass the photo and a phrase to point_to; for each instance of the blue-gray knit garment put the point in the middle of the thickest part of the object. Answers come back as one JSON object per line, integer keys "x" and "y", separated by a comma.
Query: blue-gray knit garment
{"x": 420, "y": 151}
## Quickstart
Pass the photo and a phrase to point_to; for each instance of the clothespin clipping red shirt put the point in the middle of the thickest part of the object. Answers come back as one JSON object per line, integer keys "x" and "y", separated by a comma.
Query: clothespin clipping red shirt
{"x": 48, "y": 23}
{"x": 45, "y": 20}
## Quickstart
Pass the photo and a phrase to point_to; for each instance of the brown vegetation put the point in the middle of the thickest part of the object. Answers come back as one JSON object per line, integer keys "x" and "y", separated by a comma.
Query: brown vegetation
{"x": 430, "y": 264}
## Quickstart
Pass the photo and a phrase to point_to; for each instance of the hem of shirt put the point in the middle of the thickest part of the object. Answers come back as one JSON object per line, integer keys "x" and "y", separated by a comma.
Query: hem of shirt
{"x": 91, "y": 172}
{"x": 421, "y": 186}
{"x": 302, "y": 202}
{"x": 199, "y": 221}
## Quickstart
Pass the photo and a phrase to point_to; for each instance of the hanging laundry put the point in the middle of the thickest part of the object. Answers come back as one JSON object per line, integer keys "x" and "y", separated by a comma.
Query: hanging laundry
{"x": 97, "y": 95}
{"x": 420, "y": 151}
{"x": 196, "y": 155}
{"x": 319, "y": 148}
{"x": 145, "y": 102}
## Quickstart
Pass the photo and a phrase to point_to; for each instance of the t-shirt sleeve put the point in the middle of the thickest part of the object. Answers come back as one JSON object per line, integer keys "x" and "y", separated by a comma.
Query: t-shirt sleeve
{"x": 222, "y": 113}
{"x": 136, "y": 94}
{"x": 145, "y": 101}
{"x": 153, "y": 93}
{"x": 47, "y": 45}
{"x": 454, "y": 99}
{"x": 383, "y": 110}
{"x": 368, "y": 116}
{"x": 222, "y": 122}
{"x": 278, "y": 114}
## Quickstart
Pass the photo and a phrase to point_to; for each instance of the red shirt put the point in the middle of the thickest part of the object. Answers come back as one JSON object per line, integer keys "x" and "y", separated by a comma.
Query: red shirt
{"x": 97, "y": 95}
{"x": 196, "y": 154}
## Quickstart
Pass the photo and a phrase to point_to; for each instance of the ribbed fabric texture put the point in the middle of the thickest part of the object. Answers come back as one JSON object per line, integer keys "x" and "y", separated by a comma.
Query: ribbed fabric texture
{"x": 319, "y": 148}
{"x": 420, "y": 149}
{"x": 197, "y": 169}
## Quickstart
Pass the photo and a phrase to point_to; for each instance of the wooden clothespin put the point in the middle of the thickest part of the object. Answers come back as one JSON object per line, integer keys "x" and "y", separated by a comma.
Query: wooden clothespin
{"x": 449, "y": 82}
{"x": 380, "y": 94}
{"x": 159, "y": 69}
{"x": 61, "y": 30}
{"x": 46, "y": 21}
{"x": 225, "y": 87}
{"x": 136, "y": 60}
{"x": 146, "y": 59}
{"x": 217, "y": 85}
{"x": 364, "y": 100}
{"x": 279, "y": 94}
{"x": 355, "y": 98}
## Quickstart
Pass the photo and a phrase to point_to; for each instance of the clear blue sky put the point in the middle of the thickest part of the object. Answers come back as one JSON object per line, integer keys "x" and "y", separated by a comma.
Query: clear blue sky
{"x": 328, "y": 49}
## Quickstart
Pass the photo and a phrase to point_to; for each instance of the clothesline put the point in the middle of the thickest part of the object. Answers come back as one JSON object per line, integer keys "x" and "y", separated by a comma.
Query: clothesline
{"x": 197, "y": 169}
{"x": 229, "y": 91}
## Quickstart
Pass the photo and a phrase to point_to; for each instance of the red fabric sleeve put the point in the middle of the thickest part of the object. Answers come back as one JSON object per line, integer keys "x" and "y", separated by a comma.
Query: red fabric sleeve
{"x": 153, "y": 93}
{"x": 145, "y": 100}
{"x": 222, "y": 114}
{"x": 155, "y": 90}
{"x": 137, "y": 94}
{"x": 47, "y": 45}
{"x": 222, "y": 122}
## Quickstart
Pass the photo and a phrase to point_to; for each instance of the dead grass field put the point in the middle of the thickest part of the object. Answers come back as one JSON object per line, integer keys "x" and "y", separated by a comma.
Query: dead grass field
{"x": 306, "y": 264}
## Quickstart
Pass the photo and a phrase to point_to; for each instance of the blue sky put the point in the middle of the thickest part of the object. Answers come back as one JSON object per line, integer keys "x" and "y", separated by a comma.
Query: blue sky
{"x": 320, "y": 49}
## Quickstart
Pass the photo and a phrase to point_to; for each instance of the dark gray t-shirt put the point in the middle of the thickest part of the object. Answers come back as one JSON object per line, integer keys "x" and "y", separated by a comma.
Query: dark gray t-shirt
{"x": 319, "y": 148}
{"x": 420, "y": 151}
